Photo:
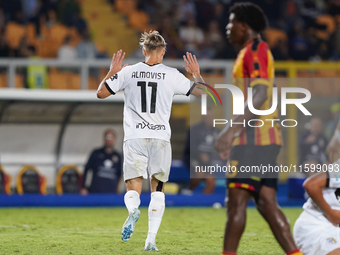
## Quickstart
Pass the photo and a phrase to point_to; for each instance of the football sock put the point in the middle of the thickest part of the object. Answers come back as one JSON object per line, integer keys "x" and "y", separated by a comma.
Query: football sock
{"x": 131, "y": 200}
{"x": 228, "y": 253}
{"x": 156, "y": 211}
{"x": 295, "y": 252}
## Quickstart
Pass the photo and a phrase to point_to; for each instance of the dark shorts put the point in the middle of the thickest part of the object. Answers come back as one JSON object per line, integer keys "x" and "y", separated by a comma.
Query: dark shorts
{"x": 249, "y": 161}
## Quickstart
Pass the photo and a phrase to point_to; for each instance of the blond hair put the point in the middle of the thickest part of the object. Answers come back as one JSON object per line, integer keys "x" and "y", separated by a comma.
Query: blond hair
{"x": 152, "y": 40}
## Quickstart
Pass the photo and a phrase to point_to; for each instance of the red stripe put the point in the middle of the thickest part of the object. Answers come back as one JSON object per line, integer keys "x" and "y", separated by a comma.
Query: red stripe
{"x": 272, "y": 136}
{"x": 294, "y": 251}
{"x": 212, "y": 90}
{"x": 239, "y": 185}
{"x": 242, "y": 137}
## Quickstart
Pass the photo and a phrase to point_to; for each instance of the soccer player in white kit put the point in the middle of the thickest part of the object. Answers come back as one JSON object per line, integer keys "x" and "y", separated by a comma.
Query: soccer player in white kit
{"x": 149, "y": 88}
{"x": 317, "y": 230}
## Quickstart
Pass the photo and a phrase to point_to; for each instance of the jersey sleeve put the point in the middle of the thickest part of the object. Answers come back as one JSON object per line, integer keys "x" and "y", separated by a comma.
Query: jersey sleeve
{"x": 116, "y": 82}
{"x": 259, "y": 64}
{"x": 182, "y": 85}
{"x": 333, "y": 174}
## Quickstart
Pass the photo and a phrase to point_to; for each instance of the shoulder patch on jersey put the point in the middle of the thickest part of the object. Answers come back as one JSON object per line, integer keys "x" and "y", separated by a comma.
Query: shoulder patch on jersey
{"x": 113, "y": 77}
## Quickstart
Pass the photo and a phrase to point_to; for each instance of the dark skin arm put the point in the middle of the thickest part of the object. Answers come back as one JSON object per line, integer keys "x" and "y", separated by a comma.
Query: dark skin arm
{"x": 313, "y": 186}
{"x": 225, "y": 139}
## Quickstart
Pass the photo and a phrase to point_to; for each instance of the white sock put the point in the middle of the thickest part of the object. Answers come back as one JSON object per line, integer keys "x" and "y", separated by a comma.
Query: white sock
{"x": 131, "y": 200}
{"x": 156, "y": 211}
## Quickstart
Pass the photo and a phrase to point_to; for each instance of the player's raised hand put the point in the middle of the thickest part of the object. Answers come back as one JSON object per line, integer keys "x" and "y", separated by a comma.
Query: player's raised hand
{"x": 116, "y": 62}
{"x": 192, "y": 66}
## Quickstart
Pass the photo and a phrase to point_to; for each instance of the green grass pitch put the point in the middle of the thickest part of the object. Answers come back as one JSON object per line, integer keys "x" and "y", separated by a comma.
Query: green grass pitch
{"x": 184, "y": 230}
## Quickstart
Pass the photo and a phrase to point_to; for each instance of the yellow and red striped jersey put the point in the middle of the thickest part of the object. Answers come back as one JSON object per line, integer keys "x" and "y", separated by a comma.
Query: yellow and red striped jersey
{"x": 254, "y": 65}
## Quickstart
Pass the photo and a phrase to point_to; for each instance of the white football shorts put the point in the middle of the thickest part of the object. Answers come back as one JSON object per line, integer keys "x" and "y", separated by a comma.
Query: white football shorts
{"x": 147, "y": 156}
{"x": 316, "y": 235}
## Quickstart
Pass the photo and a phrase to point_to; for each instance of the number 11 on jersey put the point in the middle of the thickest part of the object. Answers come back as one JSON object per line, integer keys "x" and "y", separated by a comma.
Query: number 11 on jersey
{"x": 153, "y": 85}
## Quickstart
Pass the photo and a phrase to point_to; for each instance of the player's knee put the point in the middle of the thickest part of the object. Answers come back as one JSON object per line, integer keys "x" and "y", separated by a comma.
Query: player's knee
{"x": 265, "y": 204}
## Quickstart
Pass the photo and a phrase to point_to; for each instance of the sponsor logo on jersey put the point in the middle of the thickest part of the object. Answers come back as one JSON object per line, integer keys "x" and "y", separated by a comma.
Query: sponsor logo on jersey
{"x": 150, "y": 126}
{"x": 113, "y": 77}
{"x": 331, "y": 240}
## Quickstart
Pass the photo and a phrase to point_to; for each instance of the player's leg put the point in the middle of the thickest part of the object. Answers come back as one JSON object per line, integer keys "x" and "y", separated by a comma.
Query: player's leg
{"x": 133, "y": 190}
{"x": 267, "y": 205}
{"x": 156, "y": 211}
{"x": 134, "y": 169}
{"x": 236, "y": 212}
{"x": 159, "y": 169}
{"x": 209, "y": 186}
{"x": 132, "y": 202}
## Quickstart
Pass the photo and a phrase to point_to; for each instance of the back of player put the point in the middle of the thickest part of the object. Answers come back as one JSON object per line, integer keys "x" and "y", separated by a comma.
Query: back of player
{"x": 149, "y": 88}
{"x": 148, "y": 91}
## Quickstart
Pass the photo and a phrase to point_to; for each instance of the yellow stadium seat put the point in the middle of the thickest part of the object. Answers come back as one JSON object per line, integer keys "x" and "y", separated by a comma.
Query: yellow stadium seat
{"x": 14, "y": 34}
{"x": 57, "y": 80}
{"x": 273, "y": 35}
{"x": 30, "y": 181}
{"x": 125, "y": 7}
{"x": 93, "y": 84}
{"x": 327, "y": 20}
{"x": 139, "y": 20}
{"x": 31, "y": 34}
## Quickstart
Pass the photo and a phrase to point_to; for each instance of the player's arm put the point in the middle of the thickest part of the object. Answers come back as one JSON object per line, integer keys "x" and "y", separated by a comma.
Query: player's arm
{"x": 115, "y": 67}
{"x": 314, "y": 186}
{"x": 333, "y": 149}
{"x": 193, "y": 68}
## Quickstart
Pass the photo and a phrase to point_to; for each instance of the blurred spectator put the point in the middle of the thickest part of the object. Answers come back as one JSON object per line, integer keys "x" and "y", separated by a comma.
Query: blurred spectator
{"x": 79, "y": 23}
{"x": 273, "y": 10}
{"x": 333, "y": 7}
{"x": 322, "y": 53}
{"x": 221, "y": 15}
{"x": 67, "y": 51}
{"x": 4, "y": 48}
{"x": 335, "y": 41}
{"x": 200, "y": 152}
{"x": 86, "y": 49}
{"x": 335, "y": 116}
{"x": 10, "y": 7}
{"x": 187, "y": 8}
{"x": 205, "y": 13}
{"x": 66, "y": 9}
{"x": 104, "y": 168}
{"x": 174, "y": 47}
{"x": 309, "y": 10}
{"x": 280, "y": 51}
{"x": 217, "y": 39}
{"x": 37, "y": 75}
{"x": 299, "y": 45}
{"x": 192, "y": 36}
{"x": 313, "y": 143}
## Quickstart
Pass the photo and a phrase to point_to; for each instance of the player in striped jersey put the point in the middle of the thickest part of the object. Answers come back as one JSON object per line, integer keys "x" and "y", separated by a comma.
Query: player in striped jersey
{"x": 252, "y": 146}
{"x": 149, "y": 88}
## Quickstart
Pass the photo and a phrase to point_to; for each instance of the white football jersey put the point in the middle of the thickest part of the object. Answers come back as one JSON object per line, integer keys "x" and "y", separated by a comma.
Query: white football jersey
{"x": 148, "y": 92}
{"x": 331, "y": 193}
